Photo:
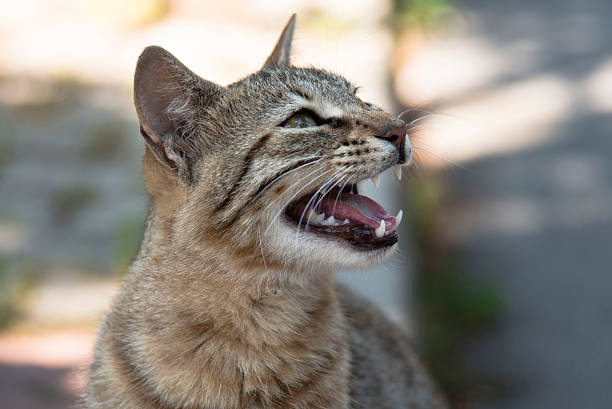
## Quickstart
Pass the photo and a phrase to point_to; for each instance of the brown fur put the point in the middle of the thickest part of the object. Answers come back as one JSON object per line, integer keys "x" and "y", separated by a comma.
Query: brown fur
{"x": 225, "y": 306}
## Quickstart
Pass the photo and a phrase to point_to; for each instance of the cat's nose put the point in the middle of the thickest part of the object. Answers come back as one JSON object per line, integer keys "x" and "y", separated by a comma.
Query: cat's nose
{"x": 396, "y": 134}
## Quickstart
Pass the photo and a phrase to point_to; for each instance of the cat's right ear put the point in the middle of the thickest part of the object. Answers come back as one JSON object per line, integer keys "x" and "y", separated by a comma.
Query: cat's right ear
{"x": 168, "y": 98}
{"x": 282, "y": 50}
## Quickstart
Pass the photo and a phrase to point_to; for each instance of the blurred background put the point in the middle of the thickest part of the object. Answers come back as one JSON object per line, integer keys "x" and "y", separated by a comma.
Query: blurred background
{"x": 505, "y": 275}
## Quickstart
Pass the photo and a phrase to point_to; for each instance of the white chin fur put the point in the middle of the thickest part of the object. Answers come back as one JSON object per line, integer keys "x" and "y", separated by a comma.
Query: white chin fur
{"x": 314, "y": 252}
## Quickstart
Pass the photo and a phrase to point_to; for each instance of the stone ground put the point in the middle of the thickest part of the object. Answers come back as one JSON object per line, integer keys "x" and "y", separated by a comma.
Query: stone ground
{"x": 44, "y": 369}
{"x": 529, "y": 207}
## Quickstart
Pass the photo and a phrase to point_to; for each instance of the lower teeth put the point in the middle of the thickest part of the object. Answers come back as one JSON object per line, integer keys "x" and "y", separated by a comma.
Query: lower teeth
{"x": 318, "y": 219}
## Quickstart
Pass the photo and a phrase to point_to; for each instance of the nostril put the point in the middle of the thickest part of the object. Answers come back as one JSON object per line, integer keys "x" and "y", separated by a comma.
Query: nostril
{"x": 396, "y": 135}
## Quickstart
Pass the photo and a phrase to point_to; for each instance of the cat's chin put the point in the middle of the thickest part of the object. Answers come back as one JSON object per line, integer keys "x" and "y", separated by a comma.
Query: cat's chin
{"x": 314, "y": 251}
{"x": 354, "y": 236}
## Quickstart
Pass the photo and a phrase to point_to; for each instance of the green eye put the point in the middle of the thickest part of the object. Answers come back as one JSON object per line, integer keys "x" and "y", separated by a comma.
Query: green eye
{"x": 300, "y": 120}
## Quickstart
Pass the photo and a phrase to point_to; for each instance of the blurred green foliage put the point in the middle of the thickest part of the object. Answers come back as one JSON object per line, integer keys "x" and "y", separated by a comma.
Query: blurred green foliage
{"x": 127, "y": 237}
{"x": 105, "y": 142}
{"x": 420, "y": 13}
{"x": 67, "y": 201}
{"x": 325, "y": 24}
{"x": 454, "y": 307}
{"x": 15, "y": 284}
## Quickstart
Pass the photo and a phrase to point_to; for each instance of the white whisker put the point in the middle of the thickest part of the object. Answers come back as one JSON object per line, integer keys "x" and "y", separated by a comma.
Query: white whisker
{"x": 419, "y": 119}
{"x": 340, "y": 191}
{"x": 261, "y": 248}
{"x": 419, "y": 148}
{"x": 294, "y": 195}
{"x": 329, "y": 180}
{"x": 295, "y": 183}
{"x": 413, "y": 110}
{"x": 285, "y": 174}
{"x": 328, "y": 190}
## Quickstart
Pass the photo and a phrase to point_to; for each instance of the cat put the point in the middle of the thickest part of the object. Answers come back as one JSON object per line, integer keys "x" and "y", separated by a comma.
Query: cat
{"x": 231, "y": 300}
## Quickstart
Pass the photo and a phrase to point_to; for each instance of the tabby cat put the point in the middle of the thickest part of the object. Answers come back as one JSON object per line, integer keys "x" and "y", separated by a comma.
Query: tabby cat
{"x": 231, "y": 301}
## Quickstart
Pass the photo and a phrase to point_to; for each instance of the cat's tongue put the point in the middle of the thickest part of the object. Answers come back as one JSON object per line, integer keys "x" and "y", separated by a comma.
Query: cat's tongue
{"x": 357, "y": 208}
{"x": 346, "y": 209}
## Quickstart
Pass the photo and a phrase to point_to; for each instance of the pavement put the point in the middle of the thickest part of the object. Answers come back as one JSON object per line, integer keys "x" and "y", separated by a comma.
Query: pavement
{"x": 44, "y": 369}
{"x": 526, "y": 141}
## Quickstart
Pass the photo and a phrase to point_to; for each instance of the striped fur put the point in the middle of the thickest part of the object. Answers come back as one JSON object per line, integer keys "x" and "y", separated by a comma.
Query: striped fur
{"x": 226, "y": 307}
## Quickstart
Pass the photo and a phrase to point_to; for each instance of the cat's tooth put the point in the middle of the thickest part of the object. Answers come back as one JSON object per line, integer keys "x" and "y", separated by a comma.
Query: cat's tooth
{"x": 329, "y": 221}
{"x": 346, "y": 221}
{"x": 376, "y": 181}
{"x": 380, "y": 231}
{"x": 398, "y": 172}
{"x": 398, "y": 218}
{"x": 311, "y": 215}
{"x": 319, "y": 218}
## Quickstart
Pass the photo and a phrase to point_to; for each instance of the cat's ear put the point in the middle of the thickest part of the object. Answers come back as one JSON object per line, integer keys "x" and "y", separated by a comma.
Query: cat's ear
{"x": 168, "y": 97}
{"x": 282, "y": 50}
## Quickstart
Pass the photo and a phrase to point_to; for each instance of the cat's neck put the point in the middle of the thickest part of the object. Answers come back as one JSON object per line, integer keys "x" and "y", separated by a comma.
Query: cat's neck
{"x": 254, "y": 339}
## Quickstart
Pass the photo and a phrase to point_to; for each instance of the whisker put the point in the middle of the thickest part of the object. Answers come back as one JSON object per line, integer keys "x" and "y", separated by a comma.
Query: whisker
{"x": 339, "y": 179}
{"x": 294, "y": 195}
{"x": 413, "y": 110}
{"x": 426, "y": 127}
{"x": 340, "y": 192}
{"x": 419, "y": 148}
{"x": 283, "y": 175}
{"x": 261, "y": 248}
{"x": 328, "y": 190}
{"x": 329, "y": 180}
{"x": 428, "y": 113}
{"x": 414, "y": 121}
{"x": 298, "y": 181}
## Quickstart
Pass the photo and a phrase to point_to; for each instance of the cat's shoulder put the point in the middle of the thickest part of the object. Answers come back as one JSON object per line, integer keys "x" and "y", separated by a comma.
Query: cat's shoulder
{"x": 371, "y": 328}
{"x": 386, "y": 371}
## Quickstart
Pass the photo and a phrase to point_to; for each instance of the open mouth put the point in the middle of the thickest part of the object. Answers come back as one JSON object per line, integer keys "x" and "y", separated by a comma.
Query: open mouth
{"x": 347, "y": 215}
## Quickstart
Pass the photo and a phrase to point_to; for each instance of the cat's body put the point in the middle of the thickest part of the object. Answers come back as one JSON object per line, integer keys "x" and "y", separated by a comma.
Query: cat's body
{"x": 231, "y": 302}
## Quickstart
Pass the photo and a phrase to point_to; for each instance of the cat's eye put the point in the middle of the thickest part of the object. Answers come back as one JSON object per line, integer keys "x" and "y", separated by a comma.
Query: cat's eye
{"x": 300, "y": 120}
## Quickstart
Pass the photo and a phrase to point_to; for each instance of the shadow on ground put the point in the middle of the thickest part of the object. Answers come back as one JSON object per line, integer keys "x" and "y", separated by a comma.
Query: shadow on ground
{"x": 34, "y": 387}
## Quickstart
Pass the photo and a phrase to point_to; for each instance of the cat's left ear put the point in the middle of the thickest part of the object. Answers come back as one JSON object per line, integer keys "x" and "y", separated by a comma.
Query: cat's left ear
{"x": 169, "y": 98}
{"x": 282, "y": 50}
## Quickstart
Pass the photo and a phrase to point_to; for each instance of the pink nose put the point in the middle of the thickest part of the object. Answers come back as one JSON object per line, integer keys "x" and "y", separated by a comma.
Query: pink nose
{"x": 396, "y": 135}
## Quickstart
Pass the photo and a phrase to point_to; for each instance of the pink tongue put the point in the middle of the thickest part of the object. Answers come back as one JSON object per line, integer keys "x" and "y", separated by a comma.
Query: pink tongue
{"x": 356, "y": 208}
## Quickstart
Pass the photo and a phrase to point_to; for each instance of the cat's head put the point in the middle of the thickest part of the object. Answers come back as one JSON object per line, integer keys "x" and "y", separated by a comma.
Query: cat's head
{"x": 265, "y": 170}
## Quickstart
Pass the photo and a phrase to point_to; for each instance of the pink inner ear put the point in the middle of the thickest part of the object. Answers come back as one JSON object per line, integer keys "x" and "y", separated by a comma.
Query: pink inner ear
{"x": 162, "y": 82}
{"x": 159, "y": 82}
